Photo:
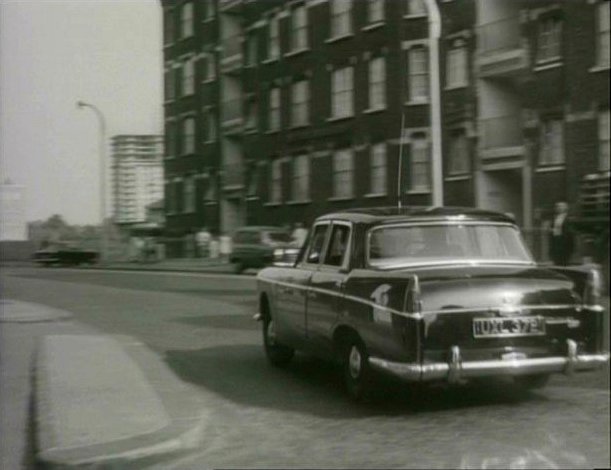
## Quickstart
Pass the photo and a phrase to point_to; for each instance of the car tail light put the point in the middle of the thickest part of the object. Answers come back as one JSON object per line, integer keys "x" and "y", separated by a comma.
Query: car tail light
{"x": 593, "y": 288}
{"x": 413, "y": 302}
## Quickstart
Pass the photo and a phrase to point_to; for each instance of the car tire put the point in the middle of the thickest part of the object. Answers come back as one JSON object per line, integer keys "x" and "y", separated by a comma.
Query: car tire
{"x": 357, "y": 371}
{"x": 277, "y": 354}
{"x": 531, "y": 382}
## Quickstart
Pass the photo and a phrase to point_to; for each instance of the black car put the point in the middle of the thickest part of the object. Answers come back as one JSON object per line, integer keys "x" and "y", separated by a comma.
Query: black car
{"x": 430, "y": 294}
{"x": 260, "y": 246}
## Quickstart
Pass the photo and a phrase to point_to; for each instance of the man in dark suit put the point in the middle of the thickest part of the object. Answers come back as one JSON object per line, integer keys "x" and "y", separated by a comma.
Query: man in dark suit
{"x": 561, "y": 236}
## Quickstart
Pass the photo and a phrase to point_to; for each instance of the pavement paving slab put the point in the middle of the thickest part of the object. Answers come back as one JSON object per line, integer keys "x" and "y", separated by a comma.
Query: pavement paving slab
{"x": 109, "y": 401}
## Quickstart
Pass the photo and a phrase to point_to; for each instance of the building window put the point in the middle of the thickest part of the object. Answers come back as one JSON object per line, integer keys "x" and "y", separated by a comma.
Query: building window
{"x": 188, "y": 194}
{"x": 186, "y": 20}
{"x": 170, "y": 84}
{"x": 299, "y": 32}
{"x": 168, "y": 27}
{"x": 415, "y": 8}
{"x": 251, "y": 50}
{"x": 273, "y": 49}
{"x": 375, "y": 11}
{"x": 209, "y": 119}
{"x": 420, "y": 168}
{"x": 343, "y": 173}
{"x": 252, "y": 114}
{"x": 275, "y": 194}
{"x": 170, "y": 140}
{"x": 378, "y": 166}
{"x": 457, "y": 65}
{"x": 274, "y": 109}
{"x": 551, "y": 149}
{"x": 549, "y": 40}
{"x": 188, "y": 78}
{"x": 300, "y": 183}
{"x": 602, "y": 30}
{"x": 299, "y": 103}
{"x": 459, "y": 159}
{"x": 342, "y": 102}
{"x": 208, "y": 67}
{"x": 208, "y": 7}
{"x": 377, "y": 83}
{"x": 418, "y": 74}
{"x": 210, "y": 191}
{"x": 188, "y": 136}
{"x": 341, "y": 20}
{"x": 603, "y": 140}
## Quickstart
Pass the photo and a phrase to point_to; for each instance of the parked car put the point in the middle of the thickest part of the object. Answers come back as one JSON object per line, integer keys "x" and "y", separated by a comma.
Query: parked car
{"x": 260, "y": 246}
{"x": 65, "y": 255}
{"x": 430, "y": 294}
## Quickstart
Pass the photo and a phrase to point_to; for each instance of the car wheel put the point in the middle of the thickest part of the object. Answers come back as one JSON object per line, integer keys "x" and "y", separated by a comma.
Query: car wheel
{"x": 277, "y": 354}
{"x": 357, "y": 371}
{"x": 531, "y": 382}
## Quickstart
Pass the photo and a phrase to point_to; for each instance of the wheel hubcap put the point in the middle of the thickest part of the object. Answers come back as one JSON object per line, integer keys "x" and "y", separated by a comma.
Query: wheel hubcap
{"x": 271, "y": 333}
{"x": 354, "y": 362}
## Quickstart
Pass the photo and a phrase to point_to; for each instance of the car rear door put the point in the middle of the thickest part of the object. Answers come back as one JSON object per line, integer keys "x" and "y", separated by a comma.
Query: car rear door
{"x": 326, "y": 290}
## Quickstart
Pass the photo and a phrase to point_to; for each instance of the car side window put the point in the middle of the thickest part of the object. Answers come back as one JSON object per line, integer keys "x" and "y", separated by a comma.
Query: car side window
{"x": 338, "y": 245}
{"x": 317, "y": 243}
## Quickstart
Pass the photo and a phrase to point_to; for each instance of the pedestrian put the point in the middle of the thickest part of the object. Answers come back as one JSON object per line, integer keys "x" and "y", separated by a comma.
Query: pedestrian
{"x": 299, "y": 234}
{"x": 203, "y": 239}
{"x": 561, "y": 240}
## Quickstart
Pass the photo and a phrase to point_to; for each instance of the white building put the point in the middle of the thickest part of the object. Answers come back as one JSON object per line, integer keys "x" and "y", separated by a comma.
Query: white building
{"x": 137, "y": 175}
{"x": 13, "y": 224}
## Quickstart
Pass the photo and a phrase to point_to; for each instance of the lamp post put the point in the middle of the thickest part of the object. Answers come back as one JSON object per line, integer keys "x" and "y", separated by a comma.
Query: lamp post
{"x": 102, "y": 156}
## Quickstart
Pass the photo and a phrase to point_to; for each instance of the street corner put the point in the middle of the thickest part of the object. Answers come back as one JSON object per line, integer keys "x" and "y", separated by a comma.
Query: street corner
{"x": 17, "y": 311}
{"x": 95, "y": 404}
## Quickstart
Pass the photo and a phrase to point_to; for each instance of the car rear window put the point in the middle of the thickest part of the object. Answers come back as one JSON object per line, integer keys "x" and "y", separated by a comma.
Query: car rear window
{"x": 413, "y": 244}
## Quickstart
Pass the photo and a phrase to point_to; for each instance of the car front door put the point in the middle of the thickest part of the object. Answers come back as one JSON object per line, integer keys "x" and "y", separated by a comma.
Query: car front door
{"x": 291, "y": 291}
{"x": 325, "y": 294}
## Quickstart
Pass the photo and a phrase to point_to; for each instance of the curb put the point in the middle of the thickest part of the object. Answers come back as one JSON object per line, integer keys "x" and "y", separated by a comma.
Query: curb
{"x": 178, "y": 429}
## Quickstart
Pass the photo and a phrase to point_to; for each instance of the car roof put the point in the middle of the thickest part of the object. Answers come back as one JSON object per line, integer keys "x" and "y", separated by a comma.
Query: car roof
{"x": 382, "y": 215}
{"x": 261, "y": 228}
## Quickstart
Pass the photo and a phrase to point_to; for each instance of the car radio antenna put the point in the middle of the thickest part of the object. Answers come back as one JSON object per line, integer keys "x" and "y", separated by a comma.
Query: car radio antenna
{"x": 400, "y": 164}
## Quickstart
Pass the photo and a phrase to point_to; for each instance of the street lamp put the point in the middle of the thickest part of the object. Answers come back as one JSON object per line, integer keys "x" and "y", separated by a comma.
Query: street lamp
{"x": 102, "y": 156}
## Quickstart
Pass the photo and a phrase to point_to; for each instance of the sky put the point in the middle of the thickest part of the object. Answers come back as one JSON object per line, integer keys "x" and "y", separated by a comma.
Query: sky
{"x": 54, "y": 53}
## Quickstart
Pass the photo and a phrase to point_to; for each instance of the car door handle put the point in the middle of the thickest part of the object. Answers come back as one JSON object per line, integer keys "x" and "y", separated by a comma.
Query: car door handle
{"x": 312, "y": 294}
{"x": 286, "y": 290}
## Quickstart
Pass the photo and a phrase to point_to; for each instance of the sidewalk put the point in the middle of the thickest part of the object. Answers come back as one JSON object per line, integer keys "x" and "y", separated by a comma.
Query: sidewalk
{"x": 216, "y": 265}
{"x": 96, "y": 400}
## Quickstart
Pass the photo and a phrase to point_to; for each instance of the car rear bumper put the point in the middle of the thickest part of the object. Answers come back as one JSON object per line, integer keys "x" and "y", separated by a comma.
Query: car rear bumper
{"x": 455, "y": 369}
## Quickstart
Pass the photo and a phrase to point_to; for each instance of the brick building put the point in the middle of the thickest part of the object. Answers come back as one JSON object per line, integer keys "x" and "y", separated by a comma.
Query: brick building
{"x": 278, "y": 111}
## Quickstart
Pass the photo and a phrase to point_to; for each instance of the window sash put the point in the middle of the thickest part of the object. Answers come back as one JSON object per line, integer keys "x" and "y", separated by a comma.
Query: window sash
{"x": 418, "y": 74}
{"x": 603, "y": 29}
{"x": 375, "y": 11}
{"x": 340, "y": 17}
{"x": 299, "y": 101}
{"x": 342, "y": 93}
{"x": 378, "y": 168}
{"x": 299, "y": 37}
{"x": 604, "y": 141}
{"x": 549, "y": 39}
{"x": 188, "y": 195}
{"x": 301, "y": 178}
{"x": 377, "y": 82}
{"x": 343, "y": 173}
{"x": 459, "y": 154}
{"x": 186, "y": 20}
{"x": 276, "y": 181}
{"x": 552, "y": 143}
{"x": 188, "y": 136}
{"x": 274, "y": 109}
{"x": 456, "y": 66}
{"x": 274, "y": 38}
{"x": 188, "y": 78}
{"x": 420, "y": 164}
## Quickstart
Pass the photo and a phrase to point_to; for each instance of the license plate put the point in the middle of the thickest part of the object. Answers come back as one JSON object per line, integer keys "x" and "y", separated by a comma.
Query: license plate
{"x": 508, "y": 327}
